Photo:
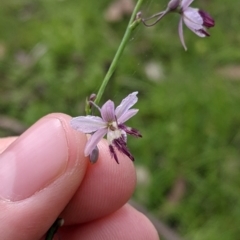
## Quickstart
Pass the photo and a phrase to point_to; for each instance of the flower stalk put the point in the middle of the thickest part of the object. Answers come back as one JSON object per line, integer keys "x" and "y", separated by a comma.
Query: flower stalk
{"x": 133, "y": 23}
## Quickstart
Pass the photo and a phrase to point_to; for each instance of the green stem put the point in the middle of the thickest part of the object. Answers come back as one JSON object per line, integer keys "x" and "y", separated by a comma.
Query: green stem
{"x": 133, "y": 23}
{"x": 53, "y": 229}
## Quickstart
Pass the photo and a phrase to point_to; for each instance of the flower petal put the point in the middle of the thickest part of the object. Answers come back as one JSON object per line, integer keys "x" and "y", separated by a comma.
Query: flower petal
{"x": 193, "y": 15}
{"x": 126, "y": 104}
{"x": 194, "y": 22}
{"x": 180, "y": 32}
{"x": 185, "y": 4}
{"x": 208, "y": 21}
{"x": 87, "y": 124}
{"x": 93, "y": 141}
{"x": 107, "y": 111}
{"x": 127, "y": 115}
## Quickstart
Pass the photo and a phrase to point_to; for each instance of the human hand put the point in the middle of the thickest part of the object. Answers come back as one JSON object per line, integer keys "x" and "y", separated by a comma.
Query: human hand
{"x": 44, "y": 175}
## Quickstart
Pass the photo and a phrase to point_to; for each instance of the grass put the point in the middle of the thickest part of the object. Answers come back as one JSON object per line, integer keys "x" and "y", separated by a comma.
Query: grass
{"x": 55, "y": 53}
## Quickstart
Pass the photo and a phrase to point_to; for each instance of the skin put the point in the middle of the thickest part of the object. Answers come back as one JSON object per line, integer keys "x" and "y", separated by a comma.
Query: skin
{"x": 50, "y": 177}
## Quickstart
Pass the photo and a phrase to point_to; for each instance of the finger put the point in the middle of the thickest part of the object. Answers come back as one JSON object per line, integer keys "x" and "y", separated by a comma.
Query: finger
{"x": 127, "y": 223}
{"x": 39, "y": 174}
{"x": 5, "y": 142}
{"x": 106, "y": 187}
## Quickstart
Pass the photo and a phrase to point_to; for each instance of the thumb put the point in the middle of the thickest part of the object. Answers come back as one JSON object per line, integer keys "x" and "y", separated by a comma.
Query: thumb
{"x": 39, "y": 174}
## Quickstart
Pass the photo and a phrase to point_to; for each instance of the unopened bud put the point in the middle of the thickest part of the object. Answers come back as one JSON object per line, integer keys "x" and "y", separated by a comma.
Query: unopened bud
{"x": 92, "y": 97}
{"x": 89, "y": 103}
{"x": 173, "y": 5}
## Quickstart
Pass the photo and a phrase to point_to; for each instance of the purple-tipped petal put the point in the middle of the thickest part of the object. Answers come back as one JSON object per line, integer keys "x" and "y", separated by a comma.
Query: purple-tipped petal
{"x": 87, "y": 124}
{"x": 185, "y": 4}
{"x": 197, "y": 29}
{"x": 194, "y": 22}
{"x": 93, "y": 141}
{"x": 180, "y": 32}
{"x": 127, "y": 115}
{"x": 126, "y": 104}
{"x": 208, "y": 21}
{"x": 107, "y": 111}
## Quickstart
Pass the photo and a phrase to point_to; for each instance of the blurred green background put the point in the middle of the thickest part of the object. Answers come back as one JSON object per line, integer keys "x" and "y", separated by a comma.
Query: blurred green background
{"x": 54, "y": 53}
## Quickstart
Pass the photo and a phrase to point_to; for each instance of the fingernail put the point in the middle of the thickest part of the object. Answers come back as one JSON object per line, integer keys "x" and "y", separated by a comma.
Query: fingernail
{"x": 37, "y": 158}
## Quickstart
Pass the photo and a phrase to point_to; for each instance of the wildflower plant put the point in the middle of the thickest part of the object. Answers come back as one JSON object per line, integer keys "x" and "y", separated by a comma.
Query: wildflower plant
{"x": 111, "y": 121}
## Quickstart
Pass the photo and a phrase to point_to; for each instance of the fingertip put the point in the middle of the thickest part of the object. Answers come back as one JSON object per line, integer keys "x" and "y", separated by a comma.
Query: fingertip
{"x": 126, "y": 223}
{"x": 106, "y": 187}
{"x": 140, "y": 225}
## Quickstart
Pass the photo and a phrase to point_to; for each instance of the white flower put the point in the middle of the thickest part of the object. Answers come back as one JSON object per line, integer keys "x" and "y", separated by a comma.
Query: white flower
{"x": 111, "y": 123}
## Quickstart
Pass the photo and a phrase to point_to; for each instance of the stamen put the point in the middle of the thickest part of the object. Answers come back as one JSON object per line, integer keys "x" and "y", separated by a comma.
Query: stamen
{"x": 131, "y": 131}
{"x": 111, "y": 127}
{"x": 121, "y": 145}
{"x": 113, "y": 153}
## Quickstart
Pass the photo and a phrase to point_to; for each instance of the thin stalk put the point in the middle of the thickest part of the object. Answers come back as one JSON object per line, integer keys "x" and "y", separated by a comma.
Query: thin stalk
{"x": 161, "y": 15}
{"x": 53, "y": 229}
{"x": 131, "y": 26}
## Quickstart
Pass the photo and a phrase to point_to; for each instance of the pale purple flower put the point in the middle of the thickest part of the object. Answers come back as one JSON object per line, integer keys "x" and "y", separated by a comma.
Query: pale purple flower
{"x": 111, "y": 123}
{"x": 196, "y": 20}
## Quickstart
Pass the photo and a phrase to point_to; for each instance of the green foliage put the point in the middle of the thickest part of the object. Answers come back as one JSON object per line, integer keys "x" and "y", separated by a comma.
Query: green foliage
{"x": 55, "y": 53}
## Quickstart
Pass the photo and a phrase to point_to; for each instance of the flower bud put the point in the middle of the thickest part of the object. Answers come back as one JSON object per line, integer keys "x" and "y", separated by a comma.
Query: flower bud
{"x": 173, "y": 5}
